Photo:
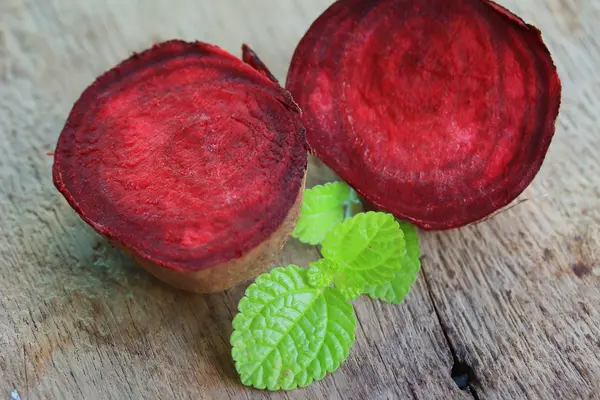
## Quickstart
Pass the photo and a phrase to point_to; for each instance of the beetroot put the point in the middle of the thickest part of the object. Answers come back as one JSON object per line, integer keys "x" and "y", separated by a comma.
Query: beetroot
{"x": 189, "y": 159}
{"x": 439, "y": 112}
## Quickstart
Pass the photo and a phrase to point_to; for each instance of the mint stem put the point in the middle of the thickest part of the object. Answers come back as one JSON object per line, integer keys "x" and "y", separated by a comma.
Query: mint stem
{"x": 352, "y": 205}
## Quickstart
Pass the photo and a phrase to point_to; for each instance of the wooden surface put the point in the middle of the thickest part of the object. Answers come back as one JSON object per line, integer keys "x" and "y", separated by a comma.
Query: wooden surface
{"x": 516, "y": 298}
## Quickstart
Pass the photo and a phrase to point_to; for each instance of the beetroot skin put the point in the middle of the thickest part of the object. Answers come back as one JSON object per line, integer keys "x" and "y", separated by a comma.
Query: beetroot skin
{"x": 189, "y": 159}
{"x": 439, "y": 112}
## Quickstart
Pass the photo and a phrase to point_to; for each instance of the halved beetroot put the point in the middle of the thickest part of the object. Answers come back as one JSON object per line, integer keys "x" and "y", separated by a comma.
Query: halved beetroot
{"x": 439, "y": 112}
{"x": 189, "y": 159}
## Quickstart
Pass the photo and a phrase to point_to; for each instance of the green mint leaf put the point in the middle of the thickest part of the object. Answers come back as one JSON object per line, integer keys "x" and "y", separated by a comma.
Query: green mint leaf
{"x": 351, "y": 293}
{"x": 324, "y": 272}
{"x": 395, "y": 290}
{"x": 413, "y": 251}
{"x": 367, "y": 249}
{"x": 320, "y": 273}
{"x": 288, "y": 333}
{"x": 322, "y": 209}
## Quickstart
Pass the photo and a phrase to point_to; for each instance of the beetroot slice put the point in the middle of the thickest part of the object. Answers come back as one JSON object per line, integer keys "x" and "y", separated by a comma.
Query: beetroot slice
{"x": 439, "y": 112}
{"x": 188, "y": 158}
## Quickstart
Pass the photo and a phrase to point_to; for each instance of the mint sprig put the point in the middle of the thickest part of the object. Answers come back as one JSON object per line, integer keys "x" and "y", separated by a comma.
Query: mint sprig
{"x": 295, "y": 324}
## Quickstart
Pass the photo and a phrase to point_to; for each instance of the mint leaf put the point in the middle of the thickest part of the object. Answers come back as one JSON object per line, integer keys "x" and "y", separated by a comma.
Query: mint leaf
{"x": 288, "y": 333}
{"x": 322, "y": 209}
{"x": 367, "y": 249}
{"x": 351, "y": 293}
{"x": 324, "y": 272}
{"x": 395, "y": 290}
{"x": 320, "y": 273}
{"x": 413, "y": 250}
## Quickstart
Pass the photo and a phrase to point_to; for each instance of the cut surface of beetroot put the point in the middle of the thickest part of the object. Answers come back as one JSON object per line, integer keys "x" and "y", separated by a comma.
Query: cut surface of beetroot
{"x": 184, "y": 155}
{"x": 439, "y": 112}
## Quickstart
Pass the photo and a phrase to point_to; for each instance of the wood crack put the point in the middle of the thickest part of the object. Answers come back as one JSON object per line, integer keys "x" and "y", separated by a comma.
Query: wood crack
{"x": 462, "y": 374}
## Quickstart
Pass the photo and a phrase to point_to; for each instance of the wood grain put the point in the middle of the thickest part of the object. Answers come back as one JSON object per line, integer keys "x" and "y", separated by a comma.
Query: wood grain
{"x": 515, "y": 298}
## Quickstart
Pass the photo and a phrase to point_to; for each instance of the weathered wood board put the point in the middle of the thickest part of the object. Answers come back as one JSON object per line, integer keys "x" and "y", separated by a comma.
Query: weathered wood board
{"x": 515, "y": 298}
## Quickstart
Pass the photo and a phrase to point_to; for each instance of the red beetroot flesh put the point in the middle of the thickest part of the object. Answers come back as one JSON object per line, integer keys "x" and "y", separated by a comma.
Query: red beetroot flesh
{"x": 439, "y": 112}
{"x": 183, "y": 154}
